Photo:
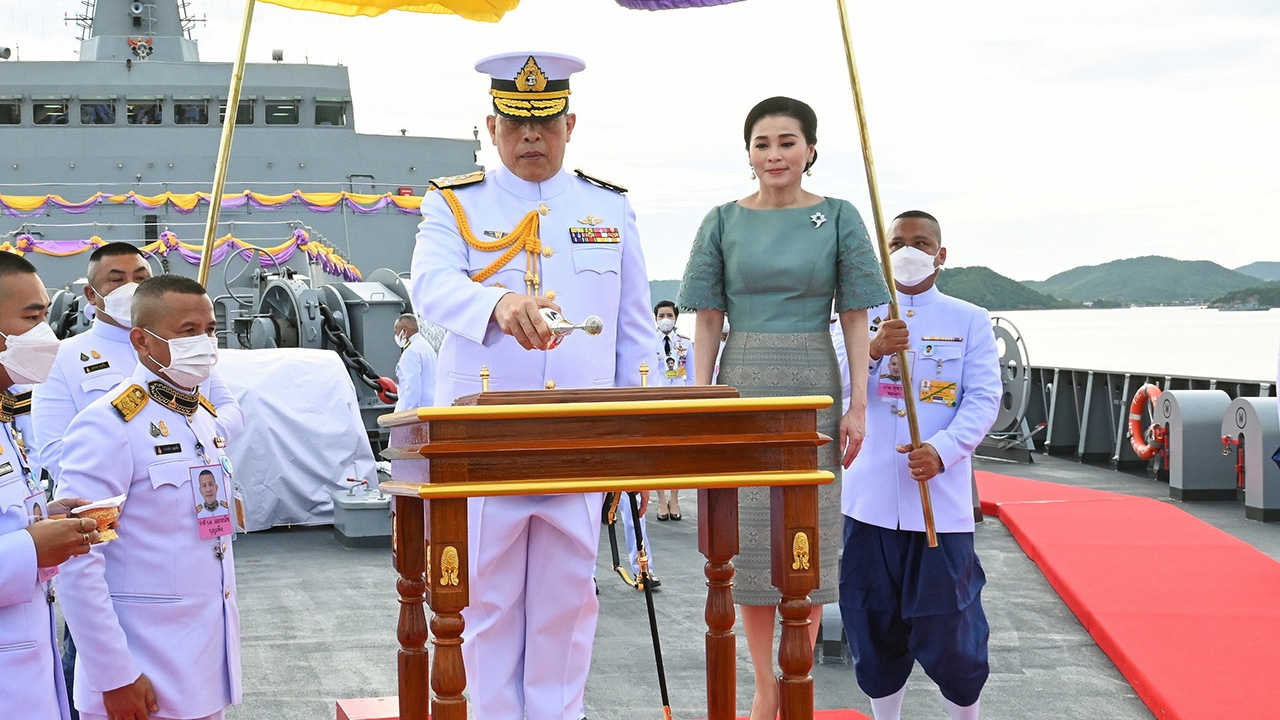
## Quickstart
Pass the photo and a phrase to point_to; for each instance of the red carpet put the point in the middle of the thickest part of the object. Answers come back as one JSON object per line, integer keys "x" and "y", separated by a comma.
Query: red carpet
{"x": 1188, "y": 613}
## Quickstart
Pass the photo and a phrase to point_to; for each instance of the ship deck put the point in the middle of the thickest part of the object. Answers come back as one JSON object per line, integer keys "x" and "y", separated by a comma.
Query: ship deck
{"x": 318, "y": 624}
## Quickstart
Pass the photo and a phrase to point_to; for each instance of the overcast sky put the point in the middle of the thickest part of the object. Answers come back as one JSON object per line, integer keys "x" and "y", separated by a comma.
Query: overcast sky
{"x": 1044, "y": 136}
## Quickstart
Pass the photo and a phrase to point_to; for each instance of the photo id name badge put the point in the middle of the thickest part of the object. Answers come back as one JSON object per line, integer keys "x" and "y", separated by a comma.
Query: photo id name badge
{"x": 36, "y": 512}
{"x": 889, "y": 379}
{"x": 213, "y": 513}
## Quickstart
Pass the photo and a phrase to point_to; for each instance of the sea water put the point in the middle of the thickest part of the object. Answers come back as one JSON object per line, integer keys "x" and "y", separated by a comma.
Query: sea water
{"x": 1149, "y": 340}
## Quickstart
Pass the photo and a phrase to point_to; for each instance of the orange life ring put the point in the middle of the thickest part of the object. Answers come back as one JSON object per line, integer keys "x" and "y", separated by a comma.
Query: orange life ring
{"x": 1146, "y": 394}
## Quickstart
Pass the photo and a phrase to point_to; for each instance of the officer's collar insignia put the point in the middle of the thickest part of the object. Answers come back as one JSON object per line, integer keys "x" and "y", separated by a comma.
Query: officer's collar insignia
{"x": 531, "y": 78}
{"x": 176, "y": 400}
{"x": 96, "y": 355}
{"x": 591, "y": 220}
{"x": 84, "y": 358}
{"x": 8, "y": 403}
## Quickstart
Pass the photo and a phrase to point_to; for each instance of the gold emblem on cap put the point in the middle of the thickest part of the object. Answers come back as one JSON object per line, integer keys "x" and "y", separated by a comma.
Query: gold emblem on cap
{"x": 531, "y": 78}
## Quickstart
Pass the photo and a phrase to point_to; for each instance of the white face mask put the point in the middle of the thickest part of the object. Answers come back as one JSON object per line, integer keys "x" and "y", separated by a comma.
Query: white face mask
{"x": 191, "y": 359}
{"x": 402, "y": 340}
{"x": 666, "y": 325}
{"x": 29, "y": 357}
{"x": 119, "y": 303}
{"x": 911, "y": 266}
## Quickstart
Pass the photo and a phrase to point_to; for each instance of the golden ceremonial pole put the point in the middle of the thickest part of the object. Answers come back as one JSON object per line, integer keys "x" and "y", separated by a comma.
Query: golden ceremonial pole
{"x": 913, "y": 423}
{"x": 224, "y": 147}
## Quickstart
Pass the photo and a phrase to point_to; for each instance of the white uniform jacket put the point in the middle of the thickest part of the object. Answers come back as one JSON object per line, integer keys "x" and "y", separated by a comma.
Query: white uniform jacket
{"x": 607, "y": 279}
{"x": 87, "y": 366}
{"x": 681, "y": 352}
{"x": 31, "y": 682}
{"x": 158, "y": 600}
{"x": 956, "y": 367}
{"x": 416, "y": 375}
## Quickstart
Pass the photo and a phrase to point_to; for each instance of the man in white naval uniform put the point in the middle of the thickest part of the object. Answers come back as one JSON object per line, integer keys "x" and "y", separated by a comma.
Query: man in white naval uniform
{"x": 900, "y": 600}
{"x": 93, "y": 362}
{"x": 531, "y": 621}
{"x": 416, "y": 369}
{"x": 31, "y": 682}
{"x": 154, "y": 612}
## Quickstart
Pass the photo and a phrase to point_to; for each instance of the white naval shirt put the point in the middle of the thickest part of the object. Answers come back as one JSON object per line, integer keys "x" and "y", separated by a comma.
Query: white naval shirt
{"x": 954, "y": 350}
{"x": 416, "y": 375}
{"x": 604, "y": 279}
{"x": 681, "y": 352}
{"x": 31, "y": 681}
{"x": 158, "y": 600}
{"x": 87, "y": 366}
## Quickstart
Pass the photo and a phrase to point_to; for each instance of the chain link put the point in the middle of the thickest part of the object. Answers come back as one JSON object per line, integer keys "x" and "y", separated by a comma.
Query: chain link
{"x": 351, "y": 357}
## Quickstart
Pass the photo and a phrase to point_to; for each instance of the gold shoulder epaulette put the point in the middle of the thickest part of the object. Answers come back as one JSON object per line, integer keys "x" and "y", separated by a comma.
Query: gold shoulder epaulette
{"x": 207, "y": 405}
{"x": 22, "y": 403}
{"x": 130, "y": 402}
{"x": 453, "y": 181}
{"x": 601, "y": 183}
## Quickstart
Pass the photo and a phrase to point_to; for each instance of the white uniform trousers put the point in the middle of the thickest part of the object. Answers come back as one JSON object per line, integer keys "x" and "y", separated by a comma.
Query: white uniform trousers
{"x": 632, "y": 552}
{"x": 521, "y": 661}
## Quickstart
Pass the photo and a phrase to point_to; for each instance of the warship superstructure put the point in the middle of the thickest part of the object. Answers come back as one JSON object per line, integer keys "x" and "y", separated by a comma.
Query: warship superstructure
{"x": 140, "y": 113}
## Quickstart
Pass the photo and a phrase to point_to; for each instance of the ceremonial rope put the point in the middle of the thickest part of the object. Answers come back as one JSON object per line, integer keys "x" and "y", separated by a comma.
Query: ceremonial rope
{"x": 524, "y": 238}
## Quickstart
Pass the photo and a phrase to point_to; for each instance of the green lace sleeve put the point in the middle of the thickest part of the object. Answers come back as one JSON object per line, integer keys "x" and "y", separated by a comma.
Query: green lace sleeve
{"x": 859, "y": 281}
{"x": 703, "y": 284}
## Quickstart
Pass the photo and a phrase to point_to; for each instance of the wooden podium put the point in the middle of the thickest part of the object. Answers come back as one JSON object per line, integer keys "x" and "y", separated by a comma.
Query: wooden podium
{"x": 549, "y": 442}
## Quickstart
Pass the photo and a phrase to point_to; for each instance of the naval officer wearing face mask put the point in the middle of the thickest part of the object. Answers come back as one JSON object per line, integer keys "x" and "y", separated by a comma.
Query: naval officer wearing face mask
{"x": 901, "y": 601}
{"x": 154, "y": 612}
{"x": 93, "y": 362}
{"x": 31, "y": 548}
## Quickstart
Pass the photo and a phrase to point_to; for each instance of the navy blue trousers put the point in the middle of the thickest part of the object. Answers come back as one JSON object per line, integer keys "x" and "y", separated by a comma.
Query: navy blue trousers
{"x": 903, "y": 602}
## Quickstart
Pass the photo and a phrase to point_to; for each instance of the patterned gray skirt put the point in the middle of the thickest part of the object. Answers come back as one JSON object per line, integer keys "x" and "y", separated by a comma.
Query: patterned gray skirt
{"x": 772, "y": 365}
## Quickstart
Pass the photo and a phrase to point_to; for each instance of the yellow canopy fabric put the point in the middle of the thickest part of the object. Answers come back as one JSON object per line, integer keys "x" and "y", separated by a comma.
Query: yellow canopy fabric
{"x": 481, "y": 10}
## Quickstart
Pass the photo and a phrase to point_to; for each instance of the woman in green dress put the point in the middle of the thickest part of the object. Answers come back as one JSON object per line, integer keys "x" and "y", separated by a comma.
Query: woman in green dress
{"x": 775, "y": 261}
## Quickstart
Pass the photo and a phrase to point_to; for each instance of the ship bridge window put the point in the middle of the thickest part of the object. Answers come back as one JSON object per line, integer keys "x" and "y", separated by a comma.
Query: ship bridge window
{"x": 281, "y": 112}
{"x": 144, "y": 112}
{"x": 195, "y": 112}
{"x": 331, "y": 113}
{"x": 244, "y": 112}
{"x": 10, "y": 112}
{"x": 97, "y": 112}
{"x": 49, "y": 112}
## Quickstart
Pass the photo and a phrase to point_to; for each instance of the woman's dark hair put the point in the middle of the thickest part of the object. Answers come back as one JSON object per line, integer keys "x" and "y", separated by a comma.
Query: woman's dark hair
{"x": 786, "y": 107}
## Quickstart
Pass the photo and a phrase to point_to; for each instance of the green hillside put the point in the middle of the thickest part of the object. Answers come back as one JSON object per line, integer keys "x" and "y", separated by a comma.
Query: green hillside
{"x": 1151, "y": 280}
{"x": 664, "y": 289}
{"x": 1265, "y": 296}
{"x": 987, "y": 288}
{"x": 1269, "y": 271}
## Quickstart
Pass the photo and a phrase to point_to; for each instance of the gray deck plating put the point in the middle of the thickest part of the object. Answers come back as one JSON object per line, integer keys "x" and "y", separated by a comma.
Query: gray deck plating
{"x": 319, "y": 624}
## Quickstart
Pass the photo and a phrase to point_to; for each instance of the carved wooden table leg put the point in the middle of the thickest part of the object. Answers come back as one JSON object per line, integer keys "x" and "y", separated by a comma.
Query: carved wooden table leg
{"x": 447, "y": 528}
{"x": 409, "y": 559}
{"x": 794, "y": 526}
{"x": 718, "y": 542}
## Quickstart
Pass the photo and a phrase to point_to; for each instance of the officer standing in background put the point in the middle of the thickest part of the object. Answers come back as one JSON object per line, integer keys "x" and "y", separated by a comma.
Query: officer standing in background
{"x": 570, "y": 242}
{"x": 154, "y": 611}
{"x": 900, "y": 600}
{"x": 416, "y": 369}
{"x": 31, "y": 549}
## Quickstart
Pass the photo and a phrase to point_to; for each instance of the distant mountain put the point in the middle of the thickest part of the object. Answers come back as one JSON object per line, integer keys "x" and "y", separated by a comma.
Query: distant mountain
{"x": 1262, "y": 296}
{"x": 664, "y": 290}
{"x": 1151, "y": 280}
{"x": 989, "y": 289}
{"x": 1269, "y": 271}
